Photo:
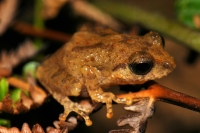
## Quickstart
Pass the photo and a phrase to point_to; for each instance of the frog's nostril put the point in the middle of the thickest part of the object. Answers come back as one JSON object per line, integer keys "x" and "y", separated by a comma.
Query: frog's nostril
{"x": 166, "y": 65}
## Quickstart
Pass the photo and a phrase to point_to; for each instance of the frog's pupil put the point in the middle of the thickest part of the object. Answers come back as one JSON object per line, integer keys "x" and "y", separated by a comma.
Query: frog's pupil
{"x": 141, "y": 68}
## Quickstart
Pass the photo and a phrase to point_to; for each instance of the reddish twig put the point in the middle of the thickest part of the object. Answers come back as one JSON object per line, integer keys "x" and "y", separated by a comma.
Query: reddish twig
{"x": 161, "y": 93}
{"x": 19, "y": 83}
{"x": 43, "y": 33}
{"x": 4, "y": 72}
{"x": 34, "y": 90}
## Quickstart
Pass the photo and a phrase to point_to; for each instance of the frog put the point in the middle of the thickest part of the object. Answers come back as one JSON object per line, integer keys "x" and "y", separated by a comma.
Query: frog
{"x": 97, "y": 58}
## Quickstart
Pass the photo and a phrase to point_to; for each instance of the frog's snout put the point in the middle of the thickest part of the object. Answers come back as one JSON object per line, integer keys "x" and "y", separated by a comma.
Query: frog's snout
{"x": 169, "y": 65}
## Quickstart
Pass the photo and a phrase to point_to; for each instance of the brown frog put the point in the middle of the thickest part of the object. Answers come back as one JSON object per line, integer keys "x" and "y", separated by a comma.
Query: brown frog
{"x": 95, "y": 59}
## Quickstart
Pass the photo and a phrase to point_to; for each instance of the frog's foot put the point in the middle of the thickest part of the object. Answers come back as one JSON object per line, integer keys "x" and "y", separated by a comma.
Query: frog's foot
{"x": 127, "y": 100}
{"x": 108, "y": 97}
{"x": 70, "y": 106}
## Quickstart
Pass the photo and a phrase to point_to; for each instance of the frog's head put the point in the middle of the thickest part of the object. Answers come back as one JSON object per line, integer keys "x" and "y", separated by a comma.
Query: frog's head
{"x": 147, "y": 61}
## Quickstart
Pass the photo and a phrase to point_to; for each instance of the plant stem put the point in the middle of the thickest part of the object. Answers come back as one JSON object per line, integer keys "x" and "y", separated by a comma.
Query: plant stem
{"x": 161, "y": 93}
{"x": 27, "y": 29}
{"x": 38, "y": 21}
{"x": 131, "y": 14}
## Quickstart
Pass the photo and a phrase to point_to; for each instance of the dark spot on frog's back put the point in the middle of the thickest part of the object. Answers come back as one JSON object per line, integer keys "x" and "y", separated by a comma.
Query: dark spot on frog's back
{"x": 79, "y": 48}
{"x": 145, "y": 48}
{"x": 126, "y": 39}
{"x": 58, "y": 72}
{"x": 122, "y": 65}
{"x": 64, "y": 80}
{"x": 147, "y": 44}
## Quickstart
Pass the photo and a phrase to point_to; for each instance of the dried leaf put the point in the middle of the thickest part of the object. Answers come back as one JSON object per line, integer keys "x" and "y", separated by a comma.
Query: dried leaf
{"x": 7, "y": 104}
{"x": 52, "y": 130}
{"x": 12, "y": 59}
{"x": 69, "y": 125}
{"x": 20, "y": 107}
{"x": 122, "y": 131}
{"x": 26, "y": 128}
{"x": 142, "y": 111}
{"x": 37, "y": 129}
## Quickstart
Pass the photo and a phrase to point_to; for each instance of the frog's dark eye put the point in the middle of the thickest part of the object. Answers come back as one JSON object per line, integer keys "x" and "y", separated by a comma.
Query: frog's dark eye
{"x": 141, "y": 66}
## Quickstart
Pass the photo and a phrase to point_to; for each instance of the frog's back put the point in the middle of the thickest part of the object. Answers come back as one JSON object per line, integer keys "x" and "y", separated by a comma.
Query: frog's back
{"x": 63, "y": 67}
{"x": 100, "y": 48}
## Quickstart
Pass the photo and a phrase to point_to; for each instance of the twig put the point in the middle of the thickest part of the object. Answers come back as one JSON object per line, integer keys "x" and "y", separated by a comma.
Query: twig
{"x": 153, "y": 21}
{"x": 18, "y": 83}
{"x": 51, "y": 8}
{"x": 4, "y": 72}
{"x": 91, "y": 12}
{"x": 37, "y": 93}
{"x": 161, "y": 93}
{"x": 7, "y": 13}
{"x": 44, "y": 33}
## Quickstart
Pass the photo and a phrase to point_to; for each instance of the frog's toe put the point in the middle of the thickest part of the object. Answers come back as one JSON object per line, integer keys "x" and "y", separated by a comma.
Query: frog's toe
{"x": 127, "y": 100}
{"x": 88, "y": 122}
{"x": 79, "y": 110}
{"x": 109, "y": 115}
{"x": 70, "y": 106}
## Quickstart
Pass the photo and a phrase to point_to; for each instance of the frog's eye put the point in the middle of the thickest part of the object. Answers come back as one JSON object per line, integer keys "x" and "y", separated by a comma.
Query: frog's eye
{"x": 141, "y": 66}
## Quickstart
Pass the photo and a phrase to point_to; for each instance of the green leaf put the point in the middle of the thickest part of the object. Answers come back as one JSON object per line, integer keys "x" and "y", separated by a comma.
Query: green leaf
{"x": 3, "y": 88}
{"x": 38, "y": 21}
{"x": 16, "y": 94}
{"x": 30, "y": 68}
{"x": 186, "y": 10}
{"x": 4, "y": 122}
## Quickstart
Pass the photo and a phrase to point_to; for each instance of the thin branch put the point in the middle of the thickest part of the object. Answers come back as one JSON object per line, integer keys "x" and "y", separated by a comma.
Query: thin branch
{"x": 131, "y": 14}
{"x": 38, "y": 95}
{"x": 7, "y": 13}
{"x": 51, "y": 8}
{"x": 4, "y": 72}
{"x": 161, "y": 93}
{"x": 91, "y": 12}
{"x": 44, "y": 33}
{"x": 18, "y": 83}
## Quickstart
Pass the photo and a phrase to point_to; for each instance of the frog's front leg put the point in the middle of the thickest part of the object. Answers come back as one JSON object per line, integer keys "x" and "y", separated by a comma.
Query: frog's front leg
{"x": 71, "y": 106}
{"x": 97, "y": 94}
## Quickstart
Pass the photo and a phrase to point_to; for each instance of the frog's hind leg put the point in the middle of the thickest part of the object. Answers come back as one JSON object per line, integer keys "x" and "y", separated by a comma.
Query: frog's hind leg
{"x": 70, "y": 106}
